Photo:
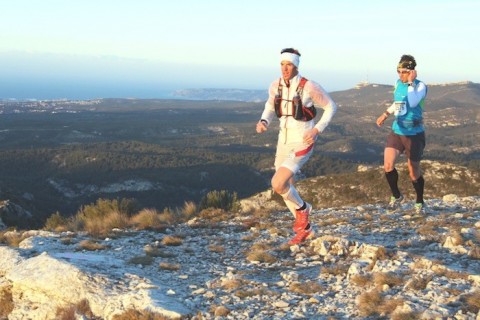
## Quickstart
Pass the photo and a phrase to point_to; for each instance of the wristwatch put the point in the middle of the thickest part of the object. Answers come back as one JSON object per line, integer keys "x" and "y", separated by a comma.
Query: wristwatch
{"x": 411, "y": 84}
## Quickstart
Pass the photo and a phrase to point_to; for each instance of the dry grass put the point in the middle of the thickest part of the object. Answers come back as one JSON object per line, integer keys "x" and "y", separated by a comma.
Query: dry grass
{"x": 67, "y": 240}
{"x": 471, "y": 302}
{"x": 172, "y": 241}
{"x": 372, "y": 303}
{"x": 216, "y": 248}
{"x": 251, "y": 237}
{"x": 336, "y": 269}
{"x": 405, "y": 316}
{"x": 442, "y": 271}
{"x": 101, "y": 226}
{"x": 148, "y": 219}
{"x": 419, "y": 282}
{"x": 284, "y": 247}
{"x": 404, "y": 243}
{"x": 56, "y": 222}
{"x": 169, "y": 266}
{"x": 133, "y": 314}
{"x": 474, "y": 252}
{"x": 189, "y": 210}
{"x": 361, "y": 280}
{"x": 232, "y": 284}
{"x": 142, "y": 260}
{"x": 261, "y": 256}
{"x": 476, "y": 236}
{"x": 220, "y": 311}
{"x": 368, "y": 302}
{"x": 306, "y": 288}
{"x": 6, "y": 301}
{"x": 72, "y": 312}
{"x": 387, "y": 278}
{"x": 253, "y": 292}
{"x": 457, "y": 238}
{"x": 428, "y": 230}
{"x": 215, "y": 215}
{"x": 11, "y": 238}
{"x": 90, "y": 245}
{"x": 260, "y": 246}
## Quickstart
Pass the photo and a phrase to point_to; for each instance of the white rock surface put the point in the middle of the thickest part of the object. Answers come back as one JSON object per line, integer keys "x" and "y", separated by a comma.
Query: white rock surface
{"x": 316, "y": 280}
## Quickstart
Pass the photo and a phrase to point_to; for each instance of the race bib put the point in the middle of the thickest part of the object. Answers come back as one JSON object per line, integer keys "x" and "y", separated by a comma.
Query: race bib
{"x": 400, "y": 108}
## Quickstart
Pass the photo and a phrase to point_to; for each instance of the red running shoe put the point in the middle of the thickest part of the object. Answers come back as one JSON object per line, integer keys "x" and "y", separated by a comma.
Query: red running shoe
{"x": 301, "y": 236}
{"x": 301, "y": 218}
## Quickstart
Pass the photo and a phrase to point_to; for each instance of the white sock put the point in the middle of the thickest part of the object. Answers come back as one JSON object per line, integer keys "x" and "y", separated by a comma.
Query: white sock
{"x": 291, "y": 206}
{"x": 292, "y": 196}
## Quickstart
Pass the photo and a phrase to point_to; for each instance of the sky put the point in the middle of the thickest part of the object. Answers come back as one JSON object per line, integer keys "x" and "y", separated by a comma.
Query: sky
{"x": 82, "y": 49}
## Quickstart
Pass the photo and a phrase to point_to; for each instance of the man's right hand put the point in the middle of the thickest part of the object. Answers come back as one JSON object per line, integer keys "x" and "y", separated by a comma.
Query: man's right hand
{"x": 261, "y": 127}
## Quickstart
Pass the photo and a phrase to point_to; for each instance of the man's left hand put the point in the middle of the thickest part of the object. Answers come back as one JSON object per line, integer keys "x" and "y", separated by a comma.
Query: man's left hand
{"x": 310, "y": 136}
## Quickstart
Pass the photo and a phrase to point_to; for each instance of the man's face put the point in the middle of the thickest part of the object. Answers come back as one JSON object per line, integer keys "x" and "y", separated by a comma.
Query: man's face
{"x": 403, "y": 74}
{"x": 288, "y": 70}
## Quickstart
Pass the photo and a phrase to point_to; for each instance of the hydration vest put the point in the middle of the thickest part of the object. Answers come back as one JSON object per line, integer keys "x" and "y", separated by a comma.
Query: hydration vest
{"x": 410, "y": 121}
{"x": 299, "y": 111}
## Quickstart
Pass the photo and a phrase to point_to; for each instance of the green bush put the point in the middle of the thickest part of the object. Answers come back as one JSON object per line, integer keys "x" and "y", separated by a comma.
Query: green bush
{"x": 220, "y": 199}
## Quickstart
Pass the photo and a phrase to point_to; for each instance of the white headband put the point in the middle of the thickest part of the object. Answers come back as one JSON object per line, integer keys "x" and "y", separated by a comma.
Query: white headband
{"x": 292, "y": 57}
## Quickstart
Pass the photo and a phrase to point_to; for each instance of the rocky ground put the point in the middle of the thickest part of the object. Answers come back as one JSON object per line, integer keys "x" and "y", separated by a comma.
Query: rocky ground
{"x": 363, "y": 263}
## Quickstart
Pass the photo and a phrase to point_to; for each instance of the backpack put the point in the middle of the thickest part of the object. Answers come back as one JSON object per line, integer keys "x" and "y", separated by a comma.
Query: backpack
{"x": 300, "y": 112}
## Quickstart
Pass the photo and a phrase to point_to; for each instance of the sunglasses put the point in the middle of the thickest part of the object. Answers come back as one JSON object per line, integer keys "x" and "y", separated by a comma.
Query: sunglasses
{"x": 403, "y": 71}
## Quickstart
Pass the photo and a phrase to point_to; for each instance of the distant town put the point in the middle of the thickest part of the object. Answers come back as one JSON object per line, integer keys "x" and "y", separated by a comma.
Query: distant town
{"x": 46, "y": 106}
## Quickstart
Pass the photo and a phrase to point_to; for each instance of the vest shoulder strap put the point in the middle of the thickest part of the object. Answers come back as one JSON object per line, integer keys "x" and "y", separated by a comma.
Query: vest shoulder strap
{"x": 303, "y": 80}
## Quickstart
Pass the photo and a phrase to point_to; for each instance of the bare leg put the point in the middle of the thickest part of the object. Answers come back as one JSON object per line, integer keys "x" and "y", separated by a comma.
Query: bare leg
{"x": 390, "y": 158}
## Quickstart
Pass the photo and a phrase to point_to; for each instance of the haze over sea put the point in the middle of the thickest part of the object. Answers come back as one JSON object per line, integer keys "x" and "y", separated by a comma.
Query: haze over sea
{"x": 147, "y": 49}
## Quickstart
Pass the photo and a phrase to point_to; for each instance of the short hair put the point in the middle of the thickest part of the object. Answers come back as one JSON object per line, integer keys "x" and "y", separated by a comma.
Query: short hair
{"x": 291, "y": 50}
{"x": 407, "y": 61}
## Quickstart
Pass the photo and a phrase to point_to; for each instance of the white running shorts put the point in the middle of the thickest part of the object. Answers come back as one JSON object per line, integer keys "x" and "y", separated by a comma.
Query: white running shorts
{"x": 292, "y": 155}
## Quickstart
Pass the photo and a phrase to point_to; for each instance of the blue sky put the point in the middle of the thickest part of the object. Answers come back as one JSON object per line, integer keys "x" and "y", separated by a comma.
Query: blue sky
{"x": 59, "y": 48}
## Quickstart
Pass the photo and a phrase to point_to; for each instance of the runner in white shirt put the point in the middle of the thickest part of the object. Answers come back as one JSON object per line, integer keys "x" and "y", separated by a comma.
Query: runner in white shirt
{"x": 294, "y": 99}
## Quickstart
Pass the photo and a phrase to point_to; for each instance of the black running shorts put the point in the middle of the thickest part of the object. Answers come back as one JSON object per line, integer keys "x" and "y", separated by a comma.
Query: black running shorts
{"x": 412, "y": 145}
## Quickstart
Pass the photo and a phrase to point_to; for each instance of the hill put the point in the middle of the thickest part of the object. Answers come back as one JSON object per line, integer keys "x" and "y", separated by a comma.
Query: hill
{"x": 60, "y": 155}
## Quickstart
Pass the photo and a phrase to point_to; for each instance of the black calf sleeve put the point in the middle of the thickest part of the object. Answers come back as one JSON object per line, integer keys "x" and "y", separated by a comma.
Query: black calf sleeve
{"x": 419, "y": 185}
{"x": 392, "y": 179}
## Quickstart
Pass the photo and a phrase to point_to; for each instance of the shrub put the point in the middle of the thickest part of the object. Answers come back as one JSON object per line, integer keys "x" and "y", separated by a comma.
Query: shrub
{"x": 102, "y": 226}
{"x": 368, "y": 302}
{"x": 100, "y": 218}
{"x": 103, "y": 207}
{"x": 189, "y": 209}
{"x": 148, "y": 219}
{"x": 56, "y": 222}
{"x": 220, "y": 199}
